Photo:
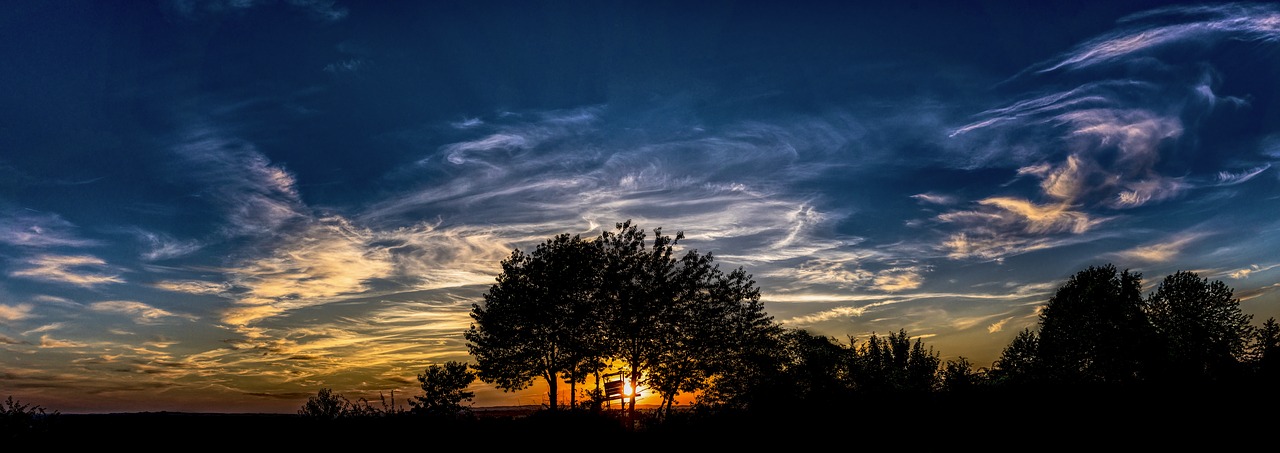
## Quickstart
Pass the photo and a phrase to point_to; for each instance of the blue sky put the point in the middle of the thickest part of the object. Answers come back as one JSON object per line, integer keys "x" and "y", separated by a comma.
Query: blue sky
{"x": 223, "y": 206}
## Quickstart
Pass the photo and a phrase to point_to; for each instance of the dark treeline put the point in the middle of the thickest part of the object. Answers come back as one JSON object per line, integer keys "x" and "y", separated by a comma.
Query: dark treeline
{"x": 1105, "y": 360}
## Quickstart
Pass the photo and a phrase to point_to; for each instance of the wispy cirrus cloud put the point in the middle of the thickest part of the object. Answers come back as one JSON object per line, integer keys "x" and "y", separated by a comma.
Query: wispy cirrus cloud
{"x": 141, "y": 313}
{"x": 1203, "y": 24}
{"x": 1117, "y": 138}
{"x": 34, "y": 229}
{"x": 1162, "y": 251}
{"x": 848, "y": 271}
{"x": 998, "y": 325}
{"x": 79, "y": 270}
{"x": 47, "y": 341}
{"x": 933, "y": 198}
{"x": 194, "y": 287}
{"x": 591, "y": 172}
{"x": 1228, "y": 178}
{"x": 328, "y": 259}
{"x": 1252, "y": 269}
{"x": 256, "y": 196}
{"x": 14, "y": 313}
{"x": 160, "y": 246}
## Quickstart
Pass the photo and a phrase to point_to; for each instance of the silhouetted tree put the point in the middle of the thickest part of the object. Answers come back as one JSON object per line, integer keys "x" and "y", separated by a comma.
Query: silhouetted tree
{"x": 893, "y": 364}
{"x": 1094, "y": 330}
{"x": 782, "y": 369}
{"x": 714, "y": 319}
{"x": 959, "y": 375}
{"x": 1018, "y": 364}
{"x": 325, "y": 405}
{"x": 1266, "y": 351}
{"x": 19, "y": 421}
{"x": 539, "y": 319}
{"x": 639, "y": 288}
{"x": 1199, "y": 323}
{"x": 444, "y": 390}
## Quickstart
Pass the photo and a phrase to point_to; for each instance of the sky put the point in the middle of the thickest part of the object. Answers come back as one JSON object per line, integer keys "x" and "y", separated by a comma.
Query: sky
{"x": 226, "y": 205}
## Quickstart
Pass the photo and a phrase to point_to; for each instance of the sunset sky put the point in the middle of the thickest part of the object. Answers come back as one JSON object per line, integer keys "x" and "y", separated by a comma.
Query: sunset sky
{"x": 226, "y": 205}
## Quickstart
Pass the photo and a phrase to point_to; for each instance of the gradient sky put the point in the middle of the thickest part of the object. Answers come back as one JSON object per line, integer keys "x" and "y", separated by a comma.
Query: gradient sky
{"x": 223, "y": 206}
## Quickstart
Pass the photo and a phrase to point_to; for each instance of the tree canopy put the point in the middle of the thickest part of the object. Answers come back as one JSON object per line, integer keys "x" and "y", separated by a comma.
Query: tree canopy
{"x": 573, "y": 307}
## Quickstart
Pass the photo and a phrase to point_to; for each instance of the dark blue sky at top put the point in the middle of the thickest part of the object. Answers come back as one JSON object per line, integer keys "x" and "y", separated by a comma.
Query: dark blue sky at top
{"x": 186, "y": 184}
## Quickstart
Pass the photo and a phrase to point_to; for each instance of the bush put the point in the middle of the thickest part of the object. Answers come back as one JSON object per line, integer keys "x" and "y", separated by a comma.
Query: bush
{"x": 18, "y": 420}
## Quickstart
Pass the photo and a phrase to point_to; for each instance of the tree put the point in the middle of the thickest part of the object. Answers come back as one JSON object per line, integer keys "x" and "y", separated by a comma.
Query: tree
{"x": 444, "y": 390}
{"x": 19, "y": 420}
{"x": 639, "y": 288}
{"x": 713, "y": 318}
{"x": 1199, "y": 323}
{"x": 893, "y": 364}
{"x": 1018, "y": 364}
{"x": 325, "y": 405}
{"x": 539, "y": 319}
{"x": 1266, "y": 350}
{"x": 959, "y": 376}
{"x": 1094, "y": 329}
{"x": 574, "y": 307}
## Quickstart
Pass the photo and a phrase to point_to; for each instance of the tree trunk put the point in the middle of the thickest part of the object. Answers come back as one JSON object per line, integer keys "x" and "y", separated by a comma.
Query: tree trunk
{"x": 551, "y": 392}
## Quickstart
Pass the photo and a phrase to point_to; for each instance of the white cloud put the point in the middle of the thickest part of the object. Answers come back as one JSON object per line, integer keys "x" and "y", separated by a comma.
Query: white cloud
{"x": 1227, "y": 178}
{"x": 194, "y": 287}
{"x": 825, "y": 315}
{"x": 72, "y": 269}
{"x": 142, "y": 313}
{"x": 50, "y": 342}
{"x": 330, "y": 258}
{"x": 933, "y": 198}
{"x": 998, "y": 325}
{"x": 257, "y": 196}
{"x": 1199, "y": 23}
{"x": 13, "y": 313}
{"x": 1244, "y": 273}
{"x": 1161, "y": 252}
{"x": 38, "y": 230}
{"x": 162, "y": 247}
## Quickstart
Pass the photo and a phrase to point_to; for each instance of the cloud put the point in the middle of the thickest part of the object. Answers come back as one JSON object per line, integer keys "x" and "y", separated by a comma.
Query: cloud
{"x": 1244, "y": 273}
{"x": 162, "y": 247}
{"x": 8, "y": 340}
{"x": 989, "y": 245}
{"x": 67, "y": 269}
{"x": 1006, "y": 226}
{"x": 1039, "y": 218}
{"x": 50, "y": 342}
{"x": 1227, "y": 178}
{"x": 257, "y": 197}
{"x": 846, "y": 272}
{"x": 998, "y": 325}
{"x": 194, "y": 287}
{"x": 1163, "y": 251}
{"x": 45, "y": 328}
{"x": 13, "y": 313}
{"x": 897, "y": 279}
{"x": 1194, "y": 24}
{"x": 329, "y": 258}
{"x": 26, "y": 228}
{"x": 142, "y": 313}
{"x": 429, "y": 256}
{"x": 825, "y": 315}
{"x": 932, "y": 198}
{"x": 56, "y": 301}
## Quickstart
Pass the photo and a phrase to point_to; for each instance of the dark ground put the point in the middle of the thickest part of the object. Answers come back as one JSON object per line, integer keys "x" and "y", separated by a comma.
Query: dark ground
{"x": 984, "y": 422}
